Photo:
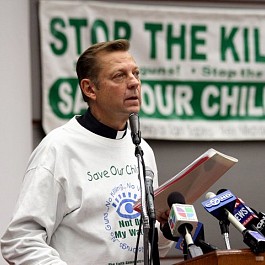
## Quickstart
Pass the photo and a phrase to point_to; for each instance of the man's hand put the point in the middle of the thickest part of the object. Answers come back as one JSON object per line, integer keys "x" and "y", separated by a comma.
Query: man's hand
{"x": 162, "y": 218}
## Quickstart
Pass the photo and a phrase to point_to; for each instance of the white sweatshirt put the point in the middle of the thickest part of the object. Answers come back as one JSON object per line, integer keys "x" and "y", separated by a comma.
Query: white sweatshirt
{"x": 75, "y": 205}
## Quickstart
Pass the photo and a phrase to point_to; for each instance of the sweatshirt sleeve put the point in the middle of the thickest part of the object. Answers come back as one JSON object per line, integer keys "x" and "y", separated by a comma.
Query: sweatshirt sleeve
{"x": 39, "y": 210}
{"x": 164, "y": 245}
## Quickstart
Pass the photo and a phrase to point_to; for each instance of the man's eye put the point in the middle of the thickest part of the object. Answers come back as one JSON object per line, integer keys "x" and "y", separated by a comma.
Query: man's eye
{"x": 137, "y": 74}
{"x": 119, "y": 76}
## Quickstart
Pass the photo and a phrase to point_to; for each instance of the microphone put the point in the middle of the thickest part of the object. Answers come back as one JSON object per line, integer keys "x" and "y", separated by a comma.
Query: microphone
{"x": 135, "y": 128}
{"x": 198, "y": 237}
{"x": 245, "y": 215}
{"x": 167, "y": 233}
{"x": 261, "y": 223}
{"x": 149, "y": 176}
{"x": 199, "y": 240}
{"x": 249, "y": 217}
{"x": 182, "y": 222}
{"x": 224, "y": 223}
{"x": 173, "y": 197}
{"x": 216, "y": 204}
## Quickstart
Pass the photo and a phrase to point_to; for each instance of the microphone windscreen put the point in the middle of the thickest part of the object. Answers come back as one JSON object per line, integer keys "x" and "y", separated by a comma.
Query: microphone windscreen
{"x": 149, "y": 173}
{"x": 209, "y": 195}
{"x": 221, "y": 191}
{"x": 135, "y": 128}
{"x": 134, "y": 122}
{"x": 175, "y": 197}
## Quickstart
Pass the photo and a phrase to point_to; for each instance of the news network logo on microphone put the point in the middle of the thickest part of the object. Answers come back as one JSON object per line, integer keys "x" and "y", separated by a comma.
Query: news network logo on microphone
{"x": 261, "y": 223}
{"x": 225, "y": 199}
{"x": 179, "y": 214}
{"x": 244, "y": 214}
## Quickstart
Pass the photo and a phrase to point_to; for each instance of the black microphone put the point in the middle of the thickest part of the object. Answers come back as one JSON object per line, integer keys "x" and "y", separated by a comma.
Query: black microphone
{"x": 175, "y": 197}
{"x": 149, "y": 176}
{"x": 198, "y": 238}
{"x": 183, "y": 221}
{"x": 261, "y": 224}
{"x": 172, "y": 198}
{"x": 135, "y": 128}
{"x": 167, "y": 233}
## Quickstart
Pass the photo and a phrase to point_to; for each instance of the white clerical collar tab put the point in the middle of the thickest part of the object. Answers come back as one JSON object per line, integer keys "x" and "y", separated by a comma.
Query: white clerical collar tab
{"x": 120, "y": 134}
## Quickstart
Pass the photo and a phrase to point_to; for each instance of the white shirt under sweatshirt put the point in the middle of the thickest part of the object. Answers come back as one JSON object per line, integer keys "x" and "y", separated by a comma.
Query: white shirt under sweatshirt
{"x": 75, "y": 205}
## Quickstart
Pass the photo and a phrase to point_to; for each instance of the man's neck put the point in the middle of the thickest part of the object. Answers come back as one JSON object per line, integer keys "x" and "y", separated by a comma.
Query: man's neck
{"x": 92, "y": 124}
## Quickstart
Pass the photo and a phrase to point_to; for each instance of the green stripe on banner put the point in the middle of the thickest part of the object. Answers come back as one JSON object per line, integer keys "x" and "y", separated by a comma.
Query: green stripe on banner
{"x": 186, "y": 100}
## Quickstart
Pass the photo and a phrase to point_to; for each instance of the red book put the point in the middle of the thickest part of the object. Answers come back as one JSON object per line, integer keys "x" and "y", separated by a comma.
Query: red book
{"x": 194, "y": 180}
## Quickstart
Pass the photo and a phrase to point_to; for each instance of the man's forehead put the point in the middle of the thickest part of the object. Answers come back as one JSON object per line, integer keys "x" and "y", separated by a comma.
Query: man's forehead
{"x": 116, "y": 58}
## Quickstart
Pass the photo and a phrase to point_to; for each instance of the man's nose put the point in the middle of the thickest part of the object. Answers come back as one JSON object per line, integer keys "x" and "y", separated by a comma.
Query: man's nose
{"x": 133, "y": 81}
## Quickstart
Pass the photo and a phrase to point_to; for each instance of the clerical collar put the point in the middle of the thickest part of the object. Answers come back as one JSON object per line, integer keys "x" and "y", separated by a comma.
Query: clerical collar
{"x": 92, "y": 124}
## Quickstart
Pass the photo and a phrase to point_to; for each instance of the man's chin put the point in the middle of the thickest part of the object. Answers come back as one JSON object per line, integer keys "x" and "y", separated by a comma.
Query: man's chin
{"x": 133, "y": 110}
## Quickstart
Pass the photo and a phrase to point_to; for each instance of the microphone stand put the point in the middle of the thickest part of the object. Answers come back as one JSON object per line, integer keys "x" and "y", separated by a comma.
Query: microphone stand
{"x": 148, "y": 221}
{"x": 153, "y": 237}
{"x": 149, "y": 231}
{"x": 145, "y": 218}
{"x": 224, "y": 226}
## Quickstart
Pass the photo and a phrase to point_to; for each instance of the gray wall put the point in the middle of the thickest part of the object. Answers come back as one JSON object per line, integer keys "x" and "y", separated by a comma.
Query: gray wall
{"x": 246, "y": 179}
{"x": 15, "y": 107}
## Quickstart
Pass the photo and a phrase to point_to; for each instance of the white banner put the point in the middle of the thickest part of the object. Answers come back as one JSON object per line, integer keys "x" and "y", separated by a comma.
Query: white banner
{"x": 202, "y": 70}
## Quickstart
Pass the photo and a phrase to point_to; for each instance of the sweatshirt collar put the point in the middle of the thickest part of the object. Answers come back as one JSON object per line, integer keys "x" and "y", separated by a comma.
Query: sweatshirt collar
{"x": 92, "y": 124}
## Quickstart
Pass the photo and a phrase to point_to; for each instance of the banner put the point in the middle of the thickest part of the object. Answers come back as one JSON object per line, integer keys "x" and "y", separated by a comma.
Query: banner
{"x": 202, "y": 69}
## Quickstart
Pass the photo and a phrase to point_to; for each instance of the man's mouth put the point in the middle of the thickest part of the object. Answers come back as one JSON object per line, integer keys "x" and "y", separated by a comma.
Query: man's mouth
{"x": 132, "y": 98}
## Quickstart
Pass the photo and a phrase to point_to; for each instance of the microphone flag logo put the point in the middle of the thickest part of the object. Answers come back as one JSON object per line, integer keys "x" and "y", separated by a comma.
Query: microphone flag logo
{"x": 185, "y": 211}
{"x": 181, "y": 214}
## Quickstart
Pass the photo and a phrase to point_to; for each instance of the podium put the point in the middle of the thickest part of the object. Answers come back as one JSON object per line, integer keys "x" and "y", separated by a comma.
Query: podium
{"x": 227, "y": 257}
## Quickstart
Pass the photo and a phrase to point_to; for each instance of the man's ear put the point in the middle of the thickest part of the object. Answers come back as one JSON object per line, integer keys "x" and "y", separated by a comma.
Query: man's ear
{"x": 88, "y": 88}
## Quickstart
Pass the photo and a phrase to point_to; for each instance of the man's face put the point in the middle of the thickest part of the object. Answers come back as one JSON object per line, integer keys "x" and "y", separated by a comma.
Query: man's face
{"x": 118, "y": 92}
